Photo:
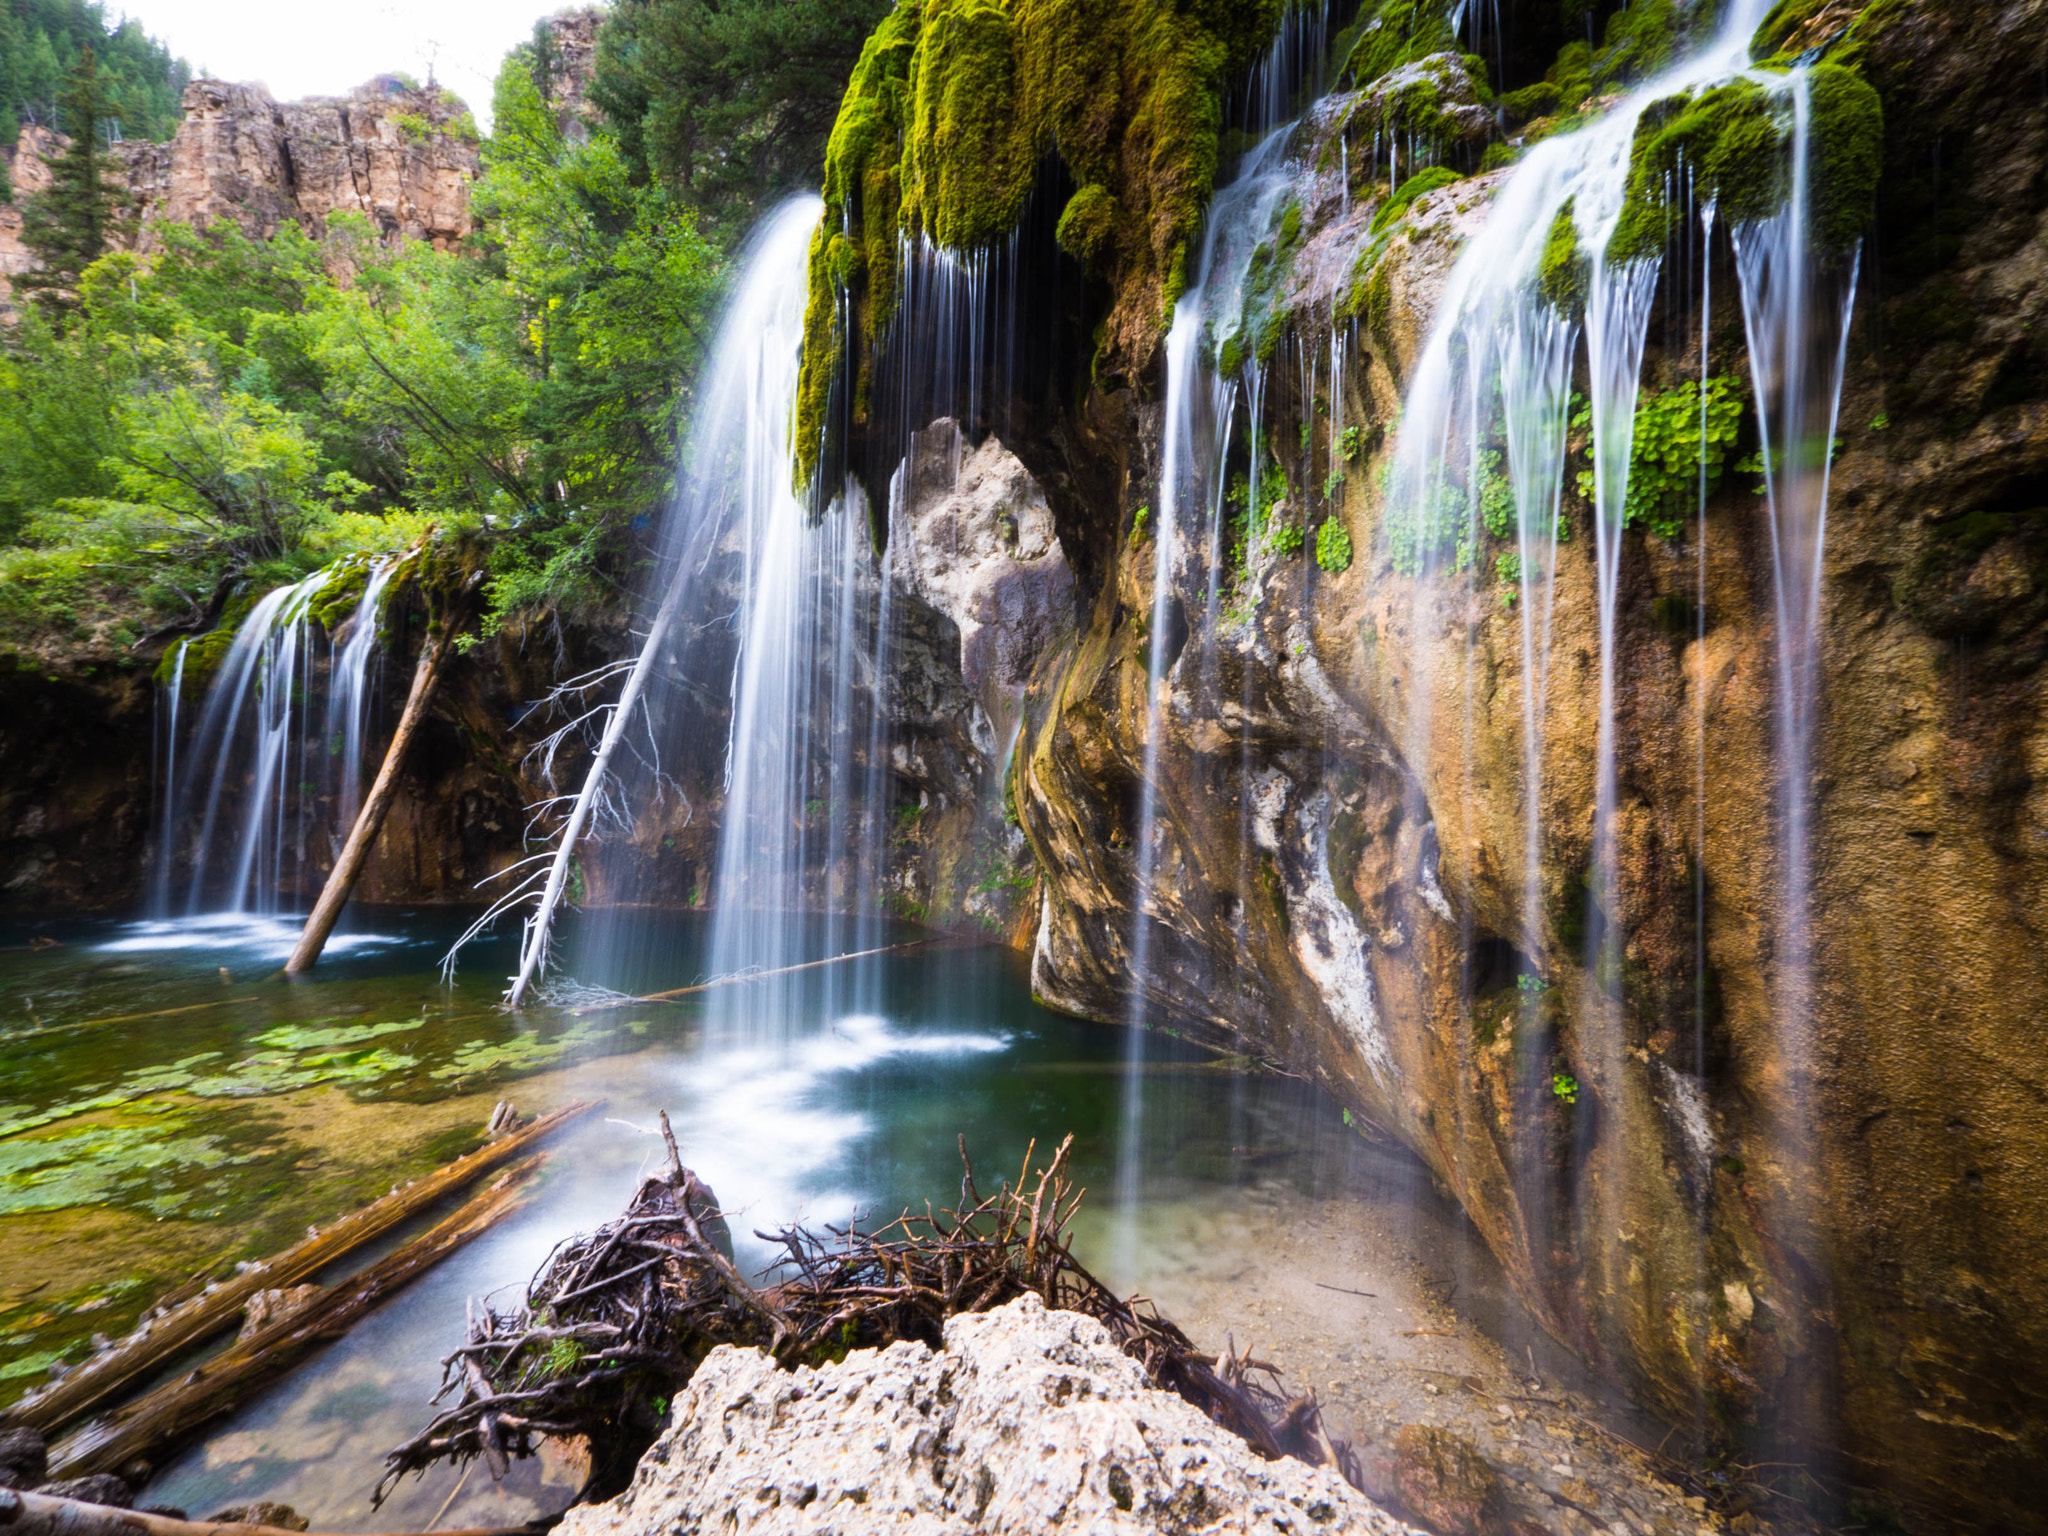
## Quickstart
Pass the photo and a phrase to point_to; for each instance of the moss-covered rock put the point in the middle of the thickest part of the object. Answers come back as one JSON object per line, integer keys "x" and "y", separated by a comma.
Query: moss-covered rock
{"x": 1848, "y": 154}
{"x": 952, "y": 109}
{"x": 1565, "y": 274}
{"x": 1736, "y": 142}
{"x": 1439, "y": 106}
{"x": 1087, "y": 227}
{"x": 334, "y": 600}
{"x": 1391, "y": 33}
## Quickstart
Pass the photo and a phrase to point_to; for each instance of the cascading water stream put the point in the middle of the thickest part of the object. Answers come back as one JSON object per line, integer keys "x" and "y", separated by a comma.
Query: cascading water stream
{"x": 259, "y": 764}
{"x": 351, "y": 686}
{"x": 801, "y": 602}
{"x": 1201, "y": 404}
{"x": 1494, "y": 378}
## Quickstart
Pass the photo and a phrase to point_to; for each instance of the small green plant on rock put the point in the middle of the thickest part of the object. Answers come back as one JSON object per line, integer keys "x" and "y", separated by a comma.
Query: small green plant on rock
{"x": 1676, "y": 440}
{"x": 1565, "y": 1086}
{"x": 1333, "y": 546}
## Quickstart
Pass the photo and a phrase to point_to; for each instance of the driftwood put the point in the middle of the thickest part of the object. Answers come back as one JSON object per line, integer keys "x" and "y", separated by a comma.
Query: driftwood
{"x": 166, "y": 1416}
{"x": 617, "y": 1321}
{"x": 341, "y": 880}
{"x": 40, "y": 1514}
{"x": 186, "y": 1321}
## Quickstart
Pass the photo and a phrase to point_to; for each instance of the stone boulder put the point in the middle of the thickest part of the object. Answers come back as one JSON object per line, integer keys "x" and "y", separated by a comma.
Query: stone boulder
{"x": 974, "y": 538}
{"x": 1030, "y": 1422}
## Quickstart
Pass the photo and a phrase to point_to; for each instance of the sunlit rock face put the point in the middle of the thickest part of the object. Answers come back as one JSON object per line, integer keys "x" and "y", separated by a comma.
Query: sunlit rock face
{"x": 401, "y": 156}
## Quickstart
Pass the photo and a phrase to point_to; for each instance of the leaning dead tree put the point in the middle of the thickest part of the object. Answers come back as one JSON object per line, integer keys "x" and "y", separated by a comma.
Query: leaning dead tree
{"x": 547, "y": 873}
{"x": 616, "y": 1321}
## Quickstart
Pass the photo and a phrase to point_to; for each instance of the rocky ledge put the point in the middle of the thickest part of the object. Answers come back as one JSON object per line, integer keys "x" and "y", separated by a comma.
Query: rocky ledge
{"x": 1029, "y": 1421}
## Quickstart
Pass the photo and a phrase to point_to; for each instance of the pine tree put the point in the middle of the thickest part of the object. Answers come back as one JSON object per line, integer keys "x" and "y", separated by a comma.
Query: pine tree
{"x": 67, "y": 226}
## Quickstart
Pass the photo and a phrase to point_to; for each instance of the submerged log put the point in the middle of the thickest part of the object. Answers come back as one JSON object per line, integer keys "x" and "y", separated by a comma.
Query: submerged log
{"x": 674, "y": 993}
{"x": 188, "y": 1322}
{"x": 166, "y": 1416}
{"x": 370, "y": 821}
{"x": 40, "y": 1514}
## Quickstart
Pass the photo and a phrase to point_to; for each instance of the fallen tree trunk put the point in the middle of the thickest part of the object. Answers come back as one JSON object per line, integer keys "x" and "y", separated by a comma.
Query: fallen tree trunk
{"x": 533, "y": 955}
{"x": 40, "y": 1514}
{"x": 157, "y": 1342}
{"x": 166, "y": 1416}
{"x": 370, "y": 821}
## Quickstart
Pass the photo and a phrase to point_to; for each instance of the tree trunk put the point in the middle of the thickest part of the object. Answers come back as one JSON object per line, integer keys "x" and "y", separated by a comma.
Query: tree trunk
{"x": 334, "y": 895}
{"x": 157, "y": 1341}
{"x": 173, "y": 1412}
{"x": 41, "y": 1514}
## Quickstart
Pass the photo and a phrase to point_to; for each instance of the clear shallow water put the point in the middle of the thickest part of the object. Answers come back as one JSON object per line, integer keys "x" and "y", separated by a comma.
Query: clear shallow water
{"x": 171, "y": 1102}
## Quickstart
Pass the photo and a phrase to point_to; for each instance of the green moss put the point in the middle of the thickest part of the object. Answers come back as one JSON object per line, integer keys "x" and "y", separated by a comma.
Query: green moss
{"x": 1411, "y": 191}
{"x": 1378, "y": 311}
{"x": 204, "y": 654}
{"x": 1087, "y": 229}
{"x": 966, "y": 167}
{"x": 1736, "y": 140}
{"x": 1641, "y": 39}
{"x": 333, "y": 603}
{"x": 1847, "y": 126}
{"x": 1397, "y": 32}
{"x": 950, "y": 112}
{"x": 1565, "y": 275}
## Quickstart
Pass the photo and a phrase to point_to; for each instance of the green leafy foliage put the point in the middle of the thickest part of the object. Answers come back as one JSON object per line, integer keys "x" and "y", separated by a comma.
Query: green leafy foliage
{"x": 1333, "y": 545}
{"x": 229, "y": 413}
{"x": 1675, "y": 440}
{"x": 726, "y": 103}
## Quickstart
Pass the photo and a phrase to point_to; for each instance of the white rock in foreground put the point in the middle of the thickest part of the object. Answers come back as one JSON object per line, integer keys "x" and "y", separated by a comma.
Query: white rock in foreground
{"x": 1029, "y": 1422}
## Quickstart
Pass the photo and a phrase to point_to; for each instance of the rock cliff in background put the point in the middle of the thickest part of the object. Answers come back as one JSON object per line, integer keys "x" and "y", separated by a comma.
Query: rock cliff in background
{"x": 401, "y": 156}
{"x": 1818, "y": 1244}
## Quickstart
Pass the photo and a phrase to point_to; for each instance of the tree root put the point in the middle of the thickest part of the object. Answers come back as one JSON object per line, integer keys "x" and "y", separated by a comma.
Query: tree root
{"x": 616, "y": 1321}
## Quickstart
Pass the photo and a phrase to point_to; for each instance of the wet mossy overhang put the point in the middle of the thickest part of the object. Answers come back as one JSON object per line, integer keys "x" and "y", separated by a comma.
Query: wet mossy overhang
{"x": 953, "y": 113}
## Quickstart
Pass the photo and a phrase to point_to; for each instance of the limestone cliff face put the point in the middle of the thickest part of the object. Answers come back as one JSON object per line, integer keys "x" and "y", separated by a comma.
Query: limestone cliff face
{"x": 1815, "y": 1236}
{"x": 403, "y": 157}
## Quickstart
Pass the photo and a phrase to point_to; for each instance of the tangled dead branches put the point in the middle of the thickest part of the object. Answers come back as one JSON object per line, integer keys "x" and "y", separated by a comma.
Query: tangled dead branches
{"x": 617, "y": 1321}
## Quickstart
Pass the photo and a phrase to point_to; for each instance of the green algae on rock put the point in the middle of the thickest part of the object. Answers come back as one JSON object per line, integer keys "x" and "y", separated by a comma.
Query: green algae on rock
{"x": 1565, "y": 275}
{"x": 949, "y": 116}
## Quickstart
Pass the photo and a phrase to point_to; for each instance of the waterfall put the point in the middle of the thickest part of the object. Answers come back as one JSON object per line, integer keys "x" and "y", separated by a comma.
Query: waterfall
{"x": 264, "y": 774}
{"x": 1492, "y": 386}
{"x": 799, "y": 600}
{"x": 351, "y": 686}
{"x": 1200, "y": 418}
{"x": 1796, "y": 313}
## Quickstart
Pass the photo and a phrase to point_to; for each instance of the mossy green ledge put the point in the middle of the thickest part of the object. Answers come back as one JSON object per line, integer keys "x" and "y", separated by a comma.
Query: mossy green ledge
{"x": 951, "y": 111}
{"x": 1735, "y": 140}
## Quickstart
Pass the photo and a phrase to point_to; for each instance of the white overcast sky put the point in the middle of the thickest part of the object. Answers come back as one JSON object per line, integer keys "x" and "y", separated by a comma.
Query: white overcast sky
{"x": 319, "y": 48}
